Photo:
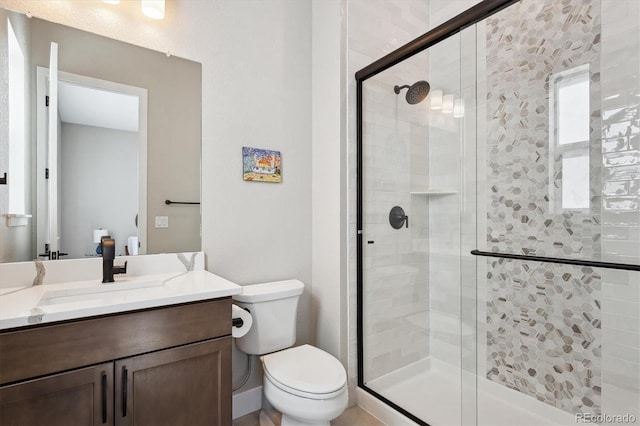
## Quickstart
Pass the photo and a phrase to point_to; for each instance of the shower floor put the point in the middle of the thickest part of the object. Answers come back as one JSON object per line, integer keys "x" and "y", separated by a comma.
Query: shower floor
{"x": 430, "y": 389}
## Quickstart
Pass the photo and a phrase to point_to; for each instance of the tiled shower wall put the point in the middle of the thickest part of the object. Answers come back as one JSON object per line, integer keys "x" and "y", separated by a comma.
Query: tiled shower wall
{"x": 544, "y": 321}
{"x": 620, "y": 85}
{"x": 452, "y": 169}
{"x": 397, "y": 294}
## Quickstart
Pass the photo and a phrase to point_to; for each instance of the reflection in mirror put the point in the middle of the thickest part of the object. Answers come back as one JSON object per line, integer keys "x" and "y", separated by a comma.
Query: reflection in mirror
{"x": 101, "y": 128}
{"x": 128, "y": 127}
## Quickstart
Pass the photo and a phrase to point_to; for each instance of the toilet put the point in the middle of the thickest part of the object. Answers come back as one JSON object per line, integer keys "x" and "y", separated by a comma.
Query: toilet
{"x": 306, "y": 384}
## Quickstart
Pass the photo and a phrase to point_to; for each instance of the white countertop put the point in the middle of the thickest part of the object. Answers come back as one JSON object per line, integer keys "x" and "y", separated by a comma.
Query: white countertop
{"x": 23, "y": 306}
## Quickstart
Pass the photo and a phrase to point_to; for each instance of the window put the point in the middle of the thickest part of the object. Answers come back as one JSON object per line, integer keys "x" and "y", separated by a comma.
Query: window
{"x": 17, "y": 133}
{"x": 569, "y": 138}
{"x": 575, "y": 179}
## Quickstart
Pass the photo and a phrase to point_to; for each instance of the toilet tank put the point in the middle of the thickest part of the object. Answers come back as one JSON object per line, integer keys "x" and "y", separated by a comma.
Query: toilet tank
{"x": 273, "y": 307}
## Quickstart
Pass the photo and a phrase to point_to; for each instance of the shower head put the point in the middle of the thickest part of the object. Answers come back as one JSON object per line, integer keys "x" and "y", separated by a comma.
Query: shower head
{"x": 416, "y": 93}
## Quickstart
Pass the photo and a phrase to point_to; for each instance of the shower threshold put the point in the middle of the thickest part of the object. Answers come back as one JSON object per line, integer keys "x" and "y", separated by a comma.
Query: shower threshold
{"x": 430, "y": 390}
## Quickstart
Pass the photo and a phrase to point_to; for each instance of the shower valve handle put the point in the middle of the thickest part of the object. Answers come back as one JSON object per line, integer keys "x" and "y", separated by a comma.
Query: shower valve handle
{"x": 397, "y": 218}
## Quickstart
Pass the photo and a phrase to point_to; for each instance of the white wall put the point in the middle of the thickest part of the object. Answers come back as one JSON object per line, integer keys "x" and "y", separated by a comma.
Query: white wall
{"x": 328, "y": 169}
{"x": 260, "y": 89}
{"x": 256, "y": 68}
{"x": 94, "y": 160}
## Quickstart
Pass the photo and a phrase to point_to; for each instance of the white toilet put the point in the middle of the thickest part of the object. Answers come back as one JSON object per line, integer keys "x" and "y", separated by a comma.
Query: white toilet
{"x": 306, "y": 384}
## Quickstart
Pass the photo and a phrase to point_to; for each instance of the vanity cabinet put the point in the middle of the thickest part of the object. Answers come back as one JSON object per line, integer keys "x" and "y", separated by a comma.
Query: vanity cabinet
{"x": 180, "y": 386}
{"x": 162, "y": 366}
{"x": 79, "y": 397}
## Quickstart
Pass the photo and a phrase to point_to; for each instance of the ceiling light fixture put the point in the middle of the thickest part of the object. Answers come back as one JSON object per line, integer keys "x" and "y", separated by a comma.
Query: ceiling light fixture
{"x": 447, "y": 104}
{"x": 458, "y": 108}
{"x": 112, "y": 1}
{"x": 154, "y": 9}
{"x": 436, "y": 99}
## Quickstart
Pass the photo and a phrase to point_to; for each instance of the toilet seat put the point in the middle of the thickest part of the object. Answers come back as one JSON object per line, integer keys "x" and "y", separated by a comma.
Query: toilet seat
{"x": 305, "y": 371}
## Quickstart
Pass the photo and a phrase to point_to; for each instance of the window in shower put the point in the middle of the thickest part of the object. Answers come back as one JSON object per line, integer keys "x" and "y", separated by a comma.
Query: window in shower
{"x": 569, "y": 137}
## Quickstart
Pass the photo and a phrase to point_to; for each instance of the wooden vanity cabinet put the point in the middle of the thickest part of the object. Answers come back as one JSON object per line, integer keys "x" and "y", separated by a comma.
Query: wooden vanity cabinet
{"x": 164, "y": 366}
{"x": 180, "y": 386}
{"x": 79, "y": 397}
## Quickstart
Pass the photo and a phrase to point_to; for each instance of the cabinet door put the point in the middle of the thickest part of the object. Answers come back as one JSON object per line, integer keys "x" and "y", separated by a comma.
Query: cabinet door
{"x": 187, "y": 385}
{"x": 78, "y": 397}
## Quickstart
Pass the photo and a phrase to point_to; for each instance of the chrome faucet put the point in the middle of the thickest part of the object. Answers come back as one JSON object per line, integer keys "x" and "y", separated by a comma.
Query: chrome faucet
{"x": 108, "y": 245}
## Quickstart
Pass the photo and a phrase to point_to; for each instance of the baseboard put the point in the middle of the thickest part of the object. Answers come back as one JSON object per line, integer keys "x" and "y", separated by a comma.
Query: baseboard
{"x": 247, "y": 402}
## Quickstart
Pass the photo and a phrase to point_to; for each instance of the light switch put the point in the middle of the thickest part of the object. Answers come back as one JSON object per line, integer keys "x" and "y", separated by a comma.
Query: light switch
{"x": 162, "y": 221}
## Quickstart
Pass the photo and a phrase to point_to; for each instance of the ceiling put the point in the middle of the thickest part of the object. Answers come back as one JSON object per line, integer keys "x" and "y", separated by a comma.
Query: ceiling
{"x": 94, "y": 107}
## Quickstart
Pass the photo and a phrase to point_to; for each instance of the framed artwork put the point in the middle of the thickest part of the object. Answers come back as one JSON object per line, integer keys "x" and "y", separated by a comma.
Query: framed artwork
{"x": 261, "y": 165}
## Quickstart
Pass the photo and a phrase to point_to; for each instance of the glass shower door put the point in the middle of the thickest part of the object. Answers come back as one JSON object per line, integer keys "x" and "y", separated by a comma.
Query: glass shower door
{"x": 413, "y": 188}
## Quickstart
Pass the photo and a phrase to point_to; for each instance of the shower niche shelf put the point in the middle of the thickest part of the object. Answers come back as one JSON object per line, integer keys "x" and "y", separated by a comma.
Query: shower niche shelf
{"x": 430, "y": 191}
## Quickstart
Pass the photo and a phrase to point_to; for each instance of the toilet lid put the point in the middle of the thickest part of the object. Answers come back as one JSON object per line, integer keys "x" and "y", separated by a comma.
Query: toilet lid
{"x": 306, "y": 369}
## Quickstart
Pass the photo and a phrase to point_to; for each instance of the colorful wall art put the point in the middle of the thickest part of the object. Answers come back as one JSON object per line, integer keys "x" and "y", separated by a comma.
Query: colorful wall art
{"x": 261, "y": 165}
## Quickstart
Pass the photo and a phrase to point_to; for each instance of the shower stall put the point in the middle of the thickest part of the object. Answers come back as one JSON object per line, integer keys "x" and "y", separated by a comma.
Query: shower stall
{"x": 498, "y": 217}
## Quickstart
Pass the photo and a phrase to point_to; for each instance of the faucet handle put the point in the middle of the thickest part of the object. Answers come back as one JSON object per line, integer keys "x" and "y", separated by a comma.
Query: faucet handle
{"x": 120, "y": 269}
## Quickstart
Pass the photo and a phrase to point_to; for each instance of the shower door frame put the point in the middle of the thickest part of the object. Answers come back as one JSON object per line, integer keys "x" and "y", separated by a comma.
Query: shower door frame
{"x": 471, "y": 16}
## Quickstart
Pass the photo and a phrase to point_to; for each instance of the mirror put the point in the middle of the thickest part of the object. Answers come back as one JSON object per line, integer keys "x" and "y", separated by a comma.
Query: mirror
{"x": 128, "y": 131}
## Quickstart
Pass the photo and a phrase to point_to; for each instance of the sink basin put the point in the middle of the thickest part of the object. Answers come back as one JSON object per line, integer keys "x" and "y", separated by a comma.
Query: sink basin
{"x": 105, "y": 291}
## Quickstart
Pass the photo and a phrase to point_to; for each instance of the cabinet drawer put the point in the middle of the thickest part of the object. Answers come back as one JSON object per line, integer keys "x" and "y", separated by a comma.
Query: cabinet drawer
{"x": 47, "y": 349}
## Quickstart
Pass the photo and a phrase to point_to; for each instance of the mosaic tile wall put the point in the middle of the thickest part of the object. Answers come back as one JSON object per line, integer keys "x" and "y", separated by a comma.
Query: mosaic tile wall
{"x": 543, "y": 320}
